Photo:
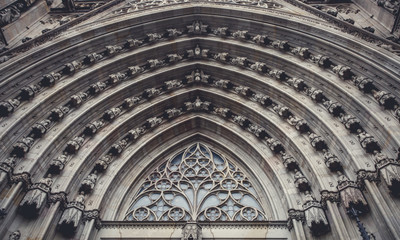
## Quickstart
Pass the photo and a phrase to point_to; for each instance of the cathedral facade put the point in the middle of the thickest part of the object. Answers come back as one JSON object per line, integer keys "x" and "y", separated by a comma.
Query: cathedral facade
{"x": 181, "y": 119}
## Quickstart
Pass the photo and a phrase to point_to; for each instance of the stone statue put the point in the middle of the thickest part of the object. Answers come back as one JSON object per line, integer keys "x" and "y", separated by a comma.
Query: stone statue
{"x": 197, "y": 28}
{"x": 16, "y": 235}
{"x": 88, "y": 183}
{"x": 300, "y": 181}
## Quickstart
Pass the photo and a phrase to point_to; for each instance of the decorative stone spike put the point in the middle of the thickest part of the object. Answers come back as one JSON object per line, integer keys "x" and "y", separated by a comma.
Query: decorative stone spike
{"x": 88, "y": 183}
{"x": 91, "y": 128}
{"x": 242, "y": 121}
{"x": 97, "y": 88}
{"x": 111, "y": 114}
{"x": 317, "y": 142}
{"x": 332, "y": 162}
{"x": 74, "y": 145}
{"x": 35, "y": 199}
{"x": 40, "y": 128}
{"x": 344, "y": 72}
{"x": 350, "y": 122}
{"x": 58, "y": 113}
{"x": 275, "y": 145}
{"x": 197, "y": 28}
{"x": 9, "y": 106}
{"x": 117, "y": 148}
{"x": 334, "y": 108}
{"x": 78, "y": 99}
{"x": 389, "y": 169}
{"x": 387, "y": 100}
{"x": 22, "y": 146}
{"x": 259, "y": 67}
{"x": 71, "y": 217}
{"x": 300, "y": 181}
{"x": 58, "y": 164}
{"x": 315, "y": 216}
{"x": 29, "y": 92}
{"x": 351, "y": 195}
{"x": 49, "y": 80}
{"x": 102, "y": 164}
{"x": 368, "y": 142}
{"x": 290, "y": 163}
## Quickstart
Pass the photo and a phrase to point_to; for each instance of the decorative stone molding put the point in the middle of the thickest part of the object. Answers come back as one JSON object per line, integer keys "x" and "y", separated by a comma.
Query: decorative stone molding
{"x": 333, "y": 197}
{"x": 294, "y": 214}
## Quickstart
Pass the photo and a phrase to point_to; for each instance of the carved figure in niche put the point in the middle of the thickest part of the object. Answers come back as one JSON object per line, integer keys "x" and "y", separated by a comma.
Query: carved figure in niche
{"x": 197, "y": 28}
{"x": 96, "y": 88}
{"x": 16, "y": 235}
{"x": 259, "y": 67}
{"x": 282, "y": 111}
{"x": 57, "y": 165}
{"x": 334, "y": 108}
{"x": 322, "y": 61}
{"x": 8, "y": 107}
{"x": 35, "y": 199}
{"x": 134, "y": 70}
{"x": 70, "y": 68}
{"x": 173, "y": 33}
{"x": 58, "y": 113}
{"x": 300, "y": 181}
{"x": 344, "y": 72}
{"x": 300, "y": 124}
{"x": 22, "y": 146}
{"x": 72, "y": 216}
{"x": 135, "y": 133}
{"x": 173, "y": 112}
{"x": 88, "y": 183}
{"x": 152, "y": 37}
{"x": 151, "y": 92}
{"x": 364, "y": 84}
{"x": 350, "y": 122}
{"x": 367, "y": 141}
{"x": 315, "y": 216}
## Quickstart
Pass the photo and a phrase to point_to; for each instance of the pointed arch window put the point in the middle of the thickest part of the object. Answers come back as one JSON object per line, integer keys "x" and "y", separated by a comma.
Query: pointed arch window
{"x": 196, "y": 184}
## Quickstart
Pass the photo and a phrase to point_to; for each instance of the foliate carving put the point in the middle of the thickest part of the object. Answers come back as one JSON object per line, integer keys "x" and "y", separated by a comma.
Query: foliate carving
{"x": 363, "y": 175}
{"x": 261, "y": 98}
{"x": 322, "y": 61}
{"x": 300, "y": 181}
{"x": 58, "y": 113}
{"x": 57, "y": 164}
{"x": 300, "y": 124}
{"x": 152, "y": 122}
{"x": 302, "y": 52}
{"x": 22, "y": 146}
{"x": 315, "y": 94}
{"x": 241, "y": 35}
{"x": 8, "y": 164}
{"x": 242, "y": 121}
{"x": 351, "y": 195}
{"x": 88, "y": 183}
{"x": 334, "y": 108}
{"x": 290, "y": 163}
{"x": 259, "y": 67}
{"x": 222, "y": 57}
{"x": 92, "y": 58}
{"x": 117, "y": 148}
{"x": 135, "y": 133}
{"x": 16, "y": 235}
{"x": 275, "y": 145}
{"x": 111, "y": 50}
{"x": 240, "y": 61}
{"x": 102, "y": 164}
{"x": 58, "y": 197}
{"x": 173, "y": 33}
{"x": 294, "y": 214}
{"x": 97, "y": 88}
{"x": 196, "y": 76}
{"x": 297, "y": 83}
{"x": 134, "y": 70}
{"x": 197, "y": 105}
{"x": 74, "y": 145}
{"x": 28, "y": 92}
{"x": 221, "y": 31}
{"x": 350, "y": 122}
{"x": 344, "y": 72}
{"x": 191, "y": 231}
{"x": 389, "y": 169}
{"x": 35, "y": 199}
{"x": 281, "y": 45}
{"x": 315, "y": 216}
{"x": 364, "y": 84}
{"x": 260, "y": 132}
{"x": 367, "y": 141}
{"x": 40, "y": 128}
{"x": 282, "y": 111}
{"x": 116, "y": 78}
{"x": 49, "y": 80}
{"x": 387, "y": 100}
{"x": 154, "y": 63}
{"x": 72, "y": 216}
{"x": 317, "y": 142}
{"x": 78, "y": 99}
{"x": 242, "y": 90}
{"x": 131, "y": 43}
{"x": 91, "y": 128}
{"x": 279, "y": 75}
{"x": 261, "y": 39}
{"x": 172, "y": 113}
{"x": 24, "y": 177}
{"x": 152, "y": 37}
{"x": 333, "y": 197}
{"x": 70, "y": 68}
{"x": 151, "y": 92}
{"x": 198, "y": 52}
{"x": 197, "y": 28}
{"x": 223, "y": 112}
{"x": 222, "y": 83}
{"x": 173, "y": 58}
{"x": 112, "y": 113}
{"x": 8, "y": 107}
{"x": 332, "y": 161}
{"x": 130, "y": 102}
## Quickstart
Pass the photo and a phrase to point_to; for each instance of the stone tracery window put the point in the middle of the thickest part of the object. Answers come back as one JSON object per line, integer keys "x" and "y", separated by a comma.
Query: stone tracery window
{"x": 196, "y": 184}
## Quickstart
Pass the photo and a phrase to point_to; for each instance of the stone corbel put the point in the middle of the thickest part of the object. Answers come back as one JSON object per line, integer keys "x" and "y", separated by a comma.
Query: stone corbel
{"x": 330, "y": 196}
{"x": 363, "y": 175}
{"x": 92, "y": 215}
{"x": 295, "y": 214}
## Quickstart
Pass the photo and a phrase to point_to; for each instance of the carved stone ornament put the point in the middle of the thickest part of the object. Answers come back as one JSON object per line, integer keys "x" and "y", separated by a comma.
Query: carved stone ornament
{"x": 333, "y": 108}
{"x": 102, "y": 164}
{"x": 322, "y": 61}
{"x": 8, "y": 107}
{"x": 282, "y": 111}
{"x": 364, "y": 84}
{"x": 97, "y": 88}
{"x": 332, "y": 197}
{"x": 173, "y": 58}
{"x": 221, "y": 31}
{"x": 294, "y": 214}
{"x": 275, "y": 145}
{"x": 242, "y": 121}
{"x": 197, "y": 105}
{"x": 279, "y": 75}
{"x": 92, "y": 58}
{"x": 197, "y": 28}
{"x": 117, "y": 148}
{"x": 332, "y": 161}
{"x": 35, "y": 199}
{"x": 174, "y": 84}
{"x": 70, "y": 68}
{"x": 72, "y": 216}
{"x": 152, "y": 37}
{"x": 92, "y": 128}
{"x": 239, "y": 61}
{"x": 290, "y": 163}
{"x": 8, "y": 164}
{"x": 154, "y": 63}
{"x": 78, "y": 99}
{"x": 315, "y": 216}
{"x": 222, "y": 83}
{"x": 40, "y": 128}
{"x": 111, "y": 114}
{"x": 261, "y": 39}
{"x": 111, "y": 50}
{"x": 74, "y": 145}
{"x": 28, "y": 92}
{"x": 297, "y": 83}
{"x": 116, "y": 78}
{"x": 57, "y": 164}
{"x": 173, "y": 32}
{"x": 133, "y": 70}
{"x": 281, "y": 45}
{"x": 130, "y": 102}
{"x": 58, "y": 113}
{"x": 315, "y": 94}
{"x": 191, "y": 231}
{"x": 367, "y": 141}
{"x": 261, "y": 98}
{"x": 135, "y": 133}
{"x": 88, "y": 183}
{"x": 223, "y": 112}
{"x": 224, "y": 57}
{"x": 351, "y": 195}
{"x": 259, "y": 67}
{"x": 389, "y": 170}
{"x": 302, "y": 52}
{"x": 260, "y": 132}
{"x": 22, "y": 146}
{"x": 49, "y": 80}
{"x": 300, "y": 124}
{"x": 196, "y": 76}
{"x": 241, "y": 35}
{"x": 16, "y": 235}
{"x": 172, "y": 113}
{"x": 344, "y": 72}
{"x": 152, "y": 122}
{"x": 350, "y": 122}
{"x": 317, "y": 142}
{"x": 242, "y": 90}
{"x": 300, "y": 181}
{"x": 387, "y": 100}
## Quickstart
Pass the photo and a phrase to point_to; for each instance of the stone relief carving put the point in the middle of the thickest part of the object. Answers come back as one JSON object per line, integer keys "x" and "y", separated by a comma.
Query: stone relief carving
{"x": 197, "y": 28}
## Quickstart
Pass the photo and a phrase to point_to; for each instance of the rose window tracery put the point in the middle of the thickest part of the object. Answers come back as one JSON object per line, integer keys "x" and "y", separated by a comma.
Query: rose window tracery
{"x": 197, "y": 184}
